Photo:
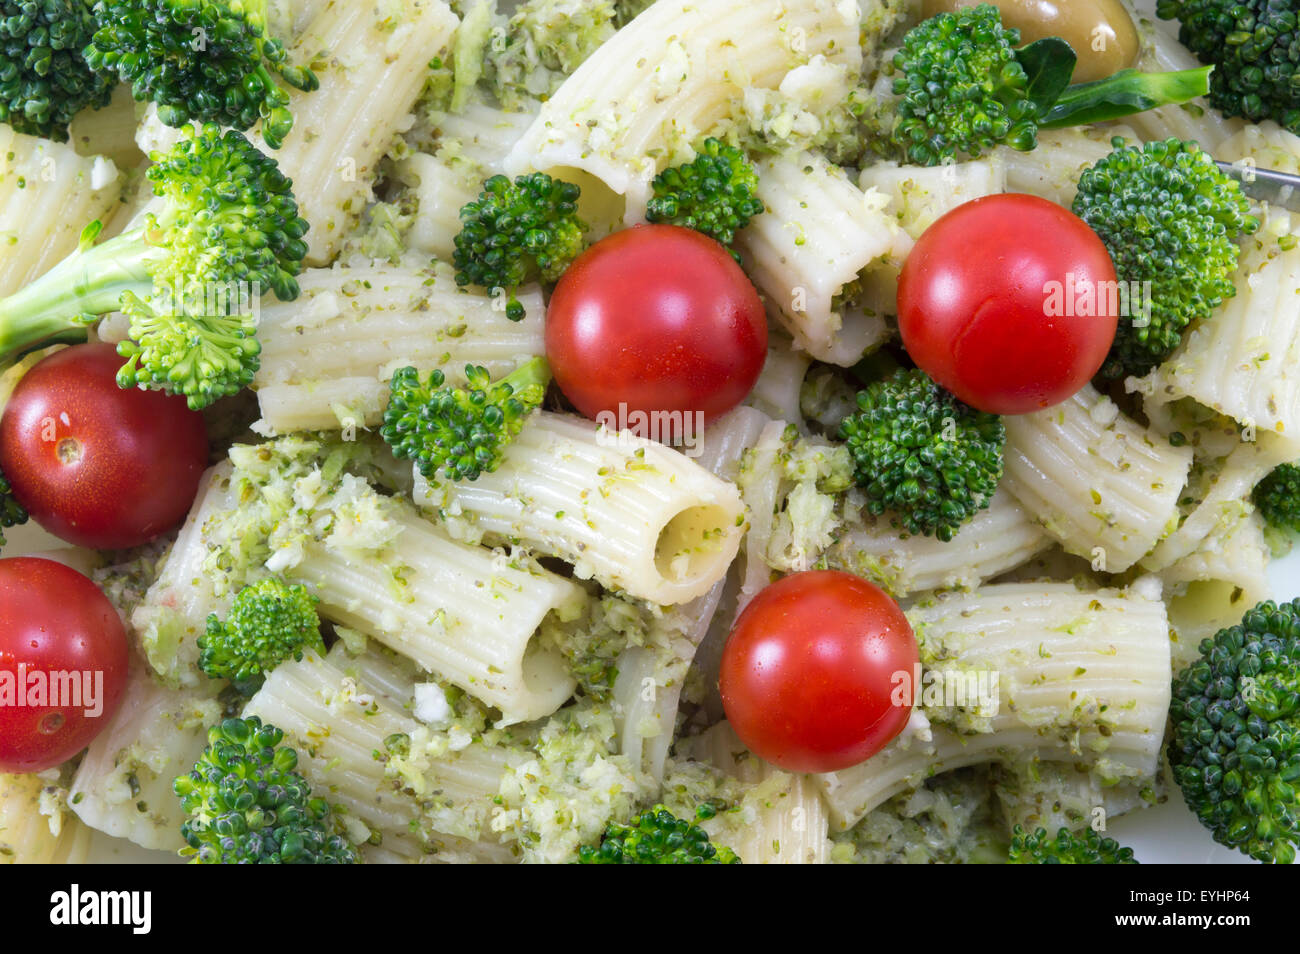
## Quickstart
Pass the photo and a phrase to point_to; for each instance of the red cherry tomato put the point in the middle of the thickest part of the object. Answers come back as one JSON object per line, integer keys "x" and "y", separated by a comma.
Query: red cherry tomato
{"x": 94, "y": 464}
{"x": 59, "y": 632}
{"x": 809, "y": 671}
{"x": 655, "y": 318}
{"x": 990, "y": 303}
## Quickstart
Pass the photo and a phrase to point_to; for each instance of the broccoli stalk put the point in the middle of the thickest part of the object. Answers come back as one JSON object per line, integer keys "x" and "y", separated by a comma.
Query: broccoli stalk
{"x": 922, "y": 454}
{"x": 12, "y": 513}
{"x": 964, "y": 88}
{"x": 658, "y": 837}
{"x": 208, "y": 61}
{"x": 1066, "y": 848}
{"x": 713, "y": 193}
{"x": 1236, "y": 733}
{"x": 462, "y": 432}
{"x": 44, "y": 78}
{"x": 248, "y": 805}
{"x": 1169, "y": 216}
{"x": 517, "y": 231}
{"x": 1277, "y": 497}
{"x": 188, "y": 280}
{"x": 269, "y": 622}
{"x": 1255, "y": 48}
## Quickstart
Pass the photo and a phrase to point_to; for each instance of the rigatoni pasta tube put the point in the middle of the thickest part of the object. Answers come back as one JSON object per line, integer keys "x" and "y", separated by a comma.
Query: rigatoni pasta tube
{"x": 48, "y": 194}
{"x": 328, "y": 358}
{"x": 631, "y": 513}
{"x": 820, "y": 233}
{"x": 669, "y": 77}
{"x": 342, "y": 726}
{"x": 462, "y": 612}
{"x": 1082, "y": 677}
{"x": 1100, "y": 483}
{"x": 371, "y": 61}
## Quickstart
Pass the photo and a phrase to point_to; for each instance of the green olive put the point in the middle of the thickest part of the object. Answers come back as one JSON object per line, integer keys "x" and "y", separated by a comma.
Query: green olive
{"x": 1101, "y": 31}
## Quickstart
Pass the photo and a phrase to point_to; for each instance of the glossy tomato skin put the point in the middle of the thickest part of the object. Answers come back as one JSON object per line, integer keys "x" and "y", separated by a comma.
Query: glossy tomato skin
{"x": 53, "y": 619}
{"x": 974, "y": 302}
{"x": 94, "y": 464}
{"x": 810, "y": 670}
{"x": 656, "y": 318}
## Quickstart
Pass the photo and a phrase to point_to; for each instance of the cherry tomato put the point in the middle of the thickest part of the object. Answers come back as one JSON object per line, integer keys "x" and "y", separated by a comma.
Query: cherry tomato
{"x": 94, "y": 464}
{"x": 810, "y": 670}
{"x": 59, "y": 632}
{"x": 656, "y": 318}
{"x": 991, "y": 303}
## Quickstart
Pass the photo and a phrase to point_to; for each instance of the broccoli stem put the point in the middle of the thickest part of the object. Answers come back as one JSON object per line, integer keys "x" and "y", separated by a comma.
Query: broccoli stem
{"x": 531, "y": 374}
{"x": 1124, "y": 94}
{"x": 91, "y": 282}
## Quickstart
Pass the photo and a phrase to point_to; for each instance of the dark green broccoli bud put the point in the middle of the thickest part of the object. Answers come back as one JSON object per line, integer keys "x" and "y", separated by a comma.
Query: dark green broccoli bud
{"x": 921, "y": 454}
{"x": 44, "y": 79}
{"x": 189, "y": 280}
{"x": 1067, "y": 848}
{"x": 1169, "y": 216}
{"x": 269, "y": 622}
{"x": 200, "y": 60}
{"x": 1235, "y": 751}
{"x": 12, "y": 513}
{"x": 517, "y": 231}
{"x": 248, "y": 805}
{"x": 964, "y": 88}
{"x": 1277, "y": 497}
{"x": 713, "y": 193}
{"x": 658, "y": 837}
{"x": 462, "y": 432}
{"x": 1255, "y": 48}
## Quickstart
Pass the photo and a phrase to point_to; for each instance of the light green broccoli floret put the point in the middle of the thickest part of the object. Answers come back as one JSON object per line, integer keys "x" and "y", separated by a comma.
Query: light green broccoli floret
{"x": 269, "y": 623}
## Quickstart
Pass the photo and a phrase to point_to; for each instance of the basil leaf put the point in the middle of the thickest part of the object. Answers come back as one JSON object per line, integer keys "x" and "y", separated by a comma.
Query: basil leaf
{"x": 1049, "y": 64}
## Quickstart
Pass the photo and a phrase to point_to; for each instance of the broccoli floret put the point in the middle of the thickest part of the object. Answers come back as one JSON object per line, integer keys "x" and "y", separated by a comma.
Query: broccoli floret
{"x": 964, "y": 88}
{"x": 189, "y": 280}
{"x": 248, "y": 805}
{"x": 1277, "y": 497}
{"x": 1236, "y": 742}
{"x": 658, "y": 837}
{"x": 44, "y": 79}
{"x": 922, "y": 454}
{"x": 517, "y": 231}
{"x": 1169, "y": 216}
{"x": 269, "y": 622}
{"x": 200, "y": 60}
{"x": 1067, "y": 848}
{"x": 462, "y": 432}
{"x": 713, "y": 193}
{"x": 1255, "y": 48}
{"x": 12, "y": 513}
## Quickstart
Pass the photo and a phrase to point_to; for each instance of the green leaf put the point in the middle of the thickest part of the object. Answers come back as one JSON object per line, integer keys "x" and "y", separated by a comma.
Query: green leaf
{"x": 1125, "y": 93}
{"x": 1049, "y": 64}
